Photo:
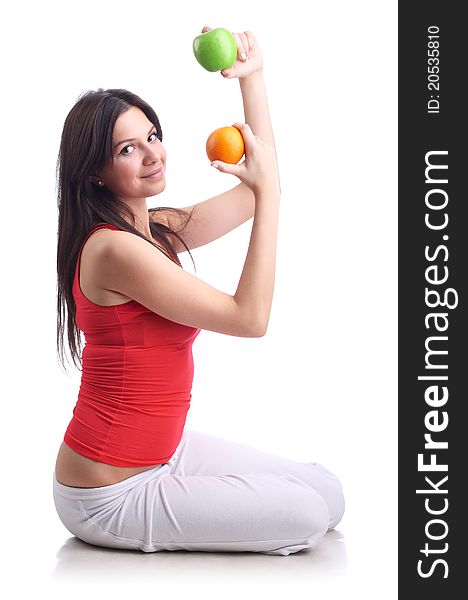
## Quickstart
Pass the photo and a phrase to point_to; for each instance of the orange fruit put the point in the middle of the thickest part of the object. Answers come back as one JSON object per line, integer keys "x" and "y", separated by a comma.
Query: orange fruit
{"x": 225, "y": 144}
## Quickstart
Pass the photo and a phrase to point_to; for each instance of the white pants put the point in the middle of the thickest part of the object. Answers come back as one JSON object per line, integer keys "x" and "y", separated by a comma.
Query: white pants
{"x": 212, "y": 495}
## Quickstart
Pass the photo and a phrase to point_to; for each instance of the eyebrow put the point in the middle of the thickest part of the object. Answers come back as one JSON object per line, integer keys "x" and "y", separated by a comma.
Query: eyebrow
{"x": 132, "y": 139}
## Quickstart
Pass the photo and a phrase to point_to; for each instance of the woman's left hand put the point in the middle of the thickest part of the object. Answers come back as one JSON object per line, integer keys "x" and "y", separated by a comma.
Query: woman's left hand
{"x": 247, "y": 45}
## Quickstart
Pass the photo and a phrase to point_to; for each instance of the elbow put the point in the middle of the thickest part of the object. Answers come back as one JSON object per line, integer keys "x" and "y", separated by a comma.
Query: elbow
{"x": 259, "y": 330}
{"x": 251, "y": 324}
{"x": 253, "y": 331}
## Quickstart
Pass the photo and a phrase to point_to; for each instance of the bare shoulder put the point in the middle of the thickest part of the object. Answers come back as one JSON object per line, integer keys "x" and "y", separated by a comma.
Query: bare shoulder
{"x": 93, "y": 264}
{"x": 123, "y": 248}
{"x": 107, "y": 241}
{"x": 105, "y": 245}
{"x": 96, "y": 241}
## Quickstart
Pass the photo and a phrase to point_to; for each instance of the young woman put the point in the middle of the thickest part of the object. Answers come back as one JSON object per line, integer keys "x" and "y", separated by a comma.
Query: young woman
{"x": 128, "y": 474}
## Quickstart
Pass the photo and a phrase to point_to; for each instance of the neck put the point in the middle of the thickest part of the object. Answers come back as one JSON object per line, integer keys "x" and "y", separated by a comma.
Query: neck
{"x": 140, "y": 210}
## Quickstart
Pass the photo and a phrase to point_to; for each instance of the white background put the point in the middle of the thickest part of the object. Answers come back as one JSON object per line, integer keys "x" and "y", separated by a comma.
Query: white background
{"x": 321, "y": 385}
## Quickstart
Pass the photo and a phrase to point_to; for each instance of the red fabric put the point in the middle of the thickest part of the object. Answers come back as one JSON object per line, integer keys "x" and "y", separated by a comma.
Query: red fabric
{"x": 135, "y": 385}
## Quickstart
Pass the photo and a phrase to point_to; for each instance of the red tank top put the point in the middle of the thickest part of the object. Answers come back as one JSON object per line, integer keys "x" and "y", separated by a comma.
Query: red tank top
{"x": 136, "y": 381}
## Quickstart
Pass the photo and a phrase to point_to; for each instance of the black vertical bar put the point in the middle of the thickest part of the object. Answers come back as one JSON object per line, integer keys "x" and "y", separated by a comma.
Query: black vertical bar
{"x": 433, "y": 296}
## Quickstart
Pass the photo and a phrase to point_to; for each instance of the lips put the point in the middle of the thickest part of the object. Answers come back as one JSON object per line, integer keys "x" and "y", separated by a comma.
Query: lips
{"x": 155, "y": 172}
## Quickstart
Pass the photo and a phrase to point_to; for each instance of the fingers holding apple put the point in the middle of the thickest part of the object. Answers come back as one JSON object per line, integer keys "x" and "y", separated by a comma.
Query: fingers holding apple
{"x": 242, "y": 45}
{"x": 249, "y": 57}
{"x": 234, "y": 54}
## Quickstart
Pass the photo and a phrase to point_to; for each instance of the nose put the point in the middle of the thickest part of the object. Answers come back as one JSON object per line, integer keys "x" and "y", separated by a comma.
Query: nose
{"x": 153, "y": 153}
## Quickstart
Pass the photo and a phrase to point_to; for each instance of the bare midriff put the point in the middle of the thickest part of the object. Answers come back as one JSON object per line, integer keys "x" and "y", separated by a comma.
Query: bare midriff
{"x": 75, "y": 470}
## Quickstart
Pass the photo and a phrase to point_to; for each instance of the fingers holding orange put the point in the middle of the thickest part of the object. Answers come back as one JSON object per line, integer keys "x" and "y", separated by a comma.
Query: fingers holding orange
{"x": 225, "y": 144}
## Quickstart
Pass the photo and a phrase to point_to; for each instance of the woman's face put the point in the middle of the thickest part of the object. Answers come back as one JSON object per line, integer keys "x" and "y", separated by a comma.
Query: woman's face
{"x": 137, "y": 154}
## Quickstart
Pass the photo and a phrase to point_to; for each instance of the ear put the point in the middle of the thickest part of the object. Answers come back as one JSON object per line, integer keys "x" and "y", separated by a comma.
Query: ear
{"x": 96, "y": 180}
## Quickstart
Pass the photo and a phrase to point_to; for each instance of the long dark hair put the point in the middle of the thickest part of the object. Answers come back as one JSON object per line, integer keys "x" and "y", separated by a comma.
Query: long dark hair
{"x": 86, "y": 149}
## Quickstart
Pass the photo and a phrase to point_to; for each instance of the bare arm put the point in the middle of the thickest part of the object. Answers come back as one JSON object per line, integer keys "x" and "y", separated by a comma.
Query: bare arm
{"x": 256, "y": 110}
{"x": 256, "y": 285}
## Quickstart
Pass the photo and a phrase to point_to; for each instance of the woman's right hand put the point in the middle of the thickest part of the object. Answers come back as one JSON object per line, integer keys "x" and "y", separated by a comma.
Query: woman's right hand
{"x": 259, "y": 169}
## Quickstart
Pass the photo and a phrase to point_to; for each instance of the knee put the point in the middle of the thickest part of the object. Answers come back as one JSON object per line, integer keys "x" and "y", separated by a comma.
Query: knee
{"x": 336, "y": 502}
{"x": 332, "y": 492}
{"x": 337, "y": 507}
{"x": 315, "y": 519}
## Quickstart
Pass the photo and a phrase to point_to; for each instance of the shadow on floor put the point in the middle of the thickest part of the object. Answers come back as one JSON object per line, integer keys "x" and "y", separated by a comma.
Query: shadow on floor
{"x": 78, "y": 560}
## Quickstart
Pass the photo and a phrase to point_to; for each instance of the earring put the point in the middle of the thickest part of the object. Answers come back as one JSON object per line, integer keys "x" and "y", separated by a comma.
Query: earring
{"x": 100, "y": 182}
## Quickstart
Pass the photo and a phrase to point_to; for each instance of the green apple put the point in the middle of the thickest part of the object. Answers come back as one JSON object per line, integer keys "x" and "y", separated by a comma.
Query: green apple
{"x": 216, "y": 49}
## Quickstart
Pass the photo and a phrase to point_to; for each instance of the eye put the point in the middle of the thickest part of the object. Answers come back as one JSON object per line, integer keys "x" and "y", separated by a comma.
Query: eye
{"x": 124, "y": 150}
